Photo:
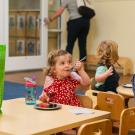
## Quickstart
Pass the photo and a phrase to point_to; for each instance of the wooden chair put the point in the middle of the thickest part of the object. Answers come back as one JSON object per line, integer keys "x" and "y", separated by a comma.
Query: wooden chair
{"x": 85, "y": 101}
{"x": 100, "y": 127}
{"x": 111, "y": 102}
{"x": 114, "y": 103}
{"x": 92, "y": 93}
{"x": 127, "y": 121}
{"x": 92, "y": 86}
{"x": 92, "y": 83}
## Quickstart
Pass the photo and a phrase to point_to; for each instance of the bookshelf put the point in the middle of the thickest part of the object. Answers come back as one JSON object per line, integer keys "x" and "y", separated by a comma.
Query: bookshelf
{"x": 24, "y": 33}
{"x": 24, "y": 30}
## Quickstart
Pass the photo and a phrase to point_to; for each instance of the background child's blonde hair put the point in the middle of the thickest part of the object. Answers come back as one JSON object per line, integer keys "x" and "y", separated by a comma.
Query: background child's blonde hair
{"x": 107, "y": 52}
{"x": 52, "y": 58}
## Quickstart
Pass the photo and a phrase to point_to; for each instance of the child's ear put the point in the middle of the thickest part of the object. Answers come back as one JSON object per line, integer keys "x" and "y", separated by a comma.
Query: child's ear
{"x": 52, "y": 69}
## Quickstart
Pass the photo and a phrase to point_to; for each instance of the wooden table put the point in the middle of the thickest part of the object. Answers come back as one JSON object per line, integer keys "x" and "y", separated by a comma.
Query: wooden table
{"x": 127, "y": 93}
{"x": 21, "y": 119}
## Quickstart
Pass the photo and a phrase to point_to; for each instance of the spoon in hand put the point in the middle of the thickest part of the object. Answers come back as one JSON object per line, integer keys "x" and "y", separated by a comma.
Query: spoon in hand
{"x": 72, "y": 68}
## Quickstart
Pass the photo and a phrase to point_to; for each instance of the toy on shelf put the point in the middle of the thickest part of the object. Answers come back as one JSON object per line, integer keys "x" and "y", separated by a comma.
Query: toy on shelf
{"x": 31, "y": 92}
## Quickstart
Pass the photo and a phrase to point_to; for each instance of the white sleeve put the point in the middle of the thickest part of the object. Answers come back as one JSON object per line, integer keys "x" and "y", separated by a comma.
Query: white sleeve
{"x": 75, "y": 76}
{"x": 48, "y": 81}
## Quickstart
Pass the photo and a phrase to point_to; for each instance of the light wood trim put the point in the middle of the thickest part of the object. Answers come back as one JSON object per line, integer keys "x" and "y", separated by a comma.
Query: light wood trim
{"x": 101, "y": 127}
{"x": 127, "y": 121}
{"x": 86, "y": 101}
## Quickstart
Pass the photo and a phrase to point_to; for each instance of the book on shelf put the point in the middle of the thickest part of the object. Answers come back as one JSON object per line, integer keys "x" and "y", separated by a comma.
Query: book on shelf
{"x": 12, "y": 24}
{"x": 31, "y": 24}
{"x": 31, "y": 47}
{"x": 21, "y": 24}
{"x": 20, "y": 47}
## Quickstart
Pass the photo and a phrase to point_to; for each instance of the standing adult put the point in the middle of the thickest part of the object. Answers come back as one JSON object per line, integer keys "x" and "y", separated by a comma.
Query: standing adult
{"x": 77, "y": 26}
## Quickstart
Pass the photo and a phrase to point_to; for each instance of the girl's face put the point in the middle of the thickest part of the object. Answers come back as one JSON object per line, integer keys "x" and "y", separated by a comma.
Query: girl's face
{"x": 62, "y": 64}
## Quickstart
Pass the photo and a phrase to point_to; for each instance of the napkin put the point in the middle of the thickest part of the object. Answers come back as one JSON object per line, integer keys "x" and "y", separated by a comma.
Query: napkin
{"x": 81, "y": 111}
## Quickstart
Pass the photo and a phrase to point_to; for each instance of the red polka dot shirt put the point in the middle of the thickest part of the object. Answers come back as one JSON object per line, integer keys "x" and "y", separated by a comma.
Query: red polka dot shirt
{"x": 63, "y": 91}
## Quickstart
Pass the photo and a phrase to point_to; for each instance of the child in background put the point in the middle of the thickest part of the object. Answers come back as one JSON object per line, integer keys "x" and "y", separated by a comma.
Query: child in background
{"x": 61, "y": 82}
{"x": 106, "y": 76}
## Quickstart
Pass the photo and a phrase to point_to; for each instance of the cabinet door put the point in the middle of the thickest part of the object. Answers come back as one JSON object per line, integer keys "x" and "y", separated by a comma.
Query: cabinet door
{"x": 27, "y": 36}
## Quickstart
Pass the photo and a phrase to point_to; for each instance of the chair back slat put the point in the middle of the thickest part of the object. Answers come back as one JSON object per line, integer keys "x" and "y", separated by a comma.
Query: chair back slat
{"x": 127, "y": 121}
{"x": 85, "y": 101}
{"x": 99, "y": 127}
{"x": 111, "y": 102}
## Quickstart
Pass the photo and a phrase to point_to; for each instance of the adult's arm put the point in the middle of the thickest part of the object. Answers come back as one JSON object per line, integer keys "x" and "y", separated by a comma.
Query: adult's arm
{"x": 57, "y": 13}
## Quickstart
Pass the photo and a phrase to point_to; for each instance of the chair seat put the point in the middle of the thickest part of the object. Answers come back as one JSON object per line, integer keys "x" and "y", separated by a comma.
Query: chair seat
{"x": 116, "y": 124}
{"x": 69, "y": 132}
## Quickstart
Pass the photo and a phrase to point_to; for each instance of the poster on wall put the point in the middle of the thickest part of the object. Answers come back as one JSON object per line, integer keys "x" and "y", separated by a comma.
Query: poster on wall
{"x": 21, "y": 24}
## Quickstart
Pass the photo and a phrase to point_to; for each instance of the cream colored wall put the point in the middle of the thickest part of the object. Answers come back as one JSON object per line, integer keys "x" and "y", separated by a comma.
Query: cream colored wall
{"x": 115, "y": 20}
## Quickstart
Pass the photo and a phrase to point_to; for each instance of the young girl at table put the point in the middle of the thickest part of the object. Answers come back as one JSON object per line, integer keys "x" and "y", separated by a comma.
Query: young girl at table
{"x": 106, "y": 76}
{"x": 61, "y": 81}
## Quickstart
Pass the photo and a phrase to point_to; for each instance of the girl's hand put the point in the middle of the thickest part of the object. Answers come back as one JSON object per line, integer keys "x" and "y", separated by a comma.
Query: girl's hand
{"x": 109, "y": 72}
{"x": 44, "y": 97}
{"x": 78, "y": 66}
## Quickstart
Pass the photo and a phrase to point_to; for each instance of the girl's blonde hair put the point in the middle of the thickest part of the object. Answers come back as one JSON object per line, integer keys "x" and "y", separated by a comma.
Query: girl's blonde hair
{"x": 52, "y": 58}
{"x": 107, "y": 52}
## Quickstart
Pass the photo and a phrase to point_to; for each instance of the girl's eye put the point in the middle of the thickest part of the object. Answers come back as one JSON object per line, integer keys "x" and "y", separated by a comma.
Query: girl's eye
{"x": 62, "y": 63}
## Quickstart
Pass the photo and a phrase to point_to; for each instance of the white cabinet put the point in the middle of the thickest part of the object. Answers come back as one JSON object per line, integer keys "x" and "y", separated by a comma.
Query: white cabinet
{"x": 54, "y": 28}
{"x": 27, "y": 36}
{"x": 27, "y": 39}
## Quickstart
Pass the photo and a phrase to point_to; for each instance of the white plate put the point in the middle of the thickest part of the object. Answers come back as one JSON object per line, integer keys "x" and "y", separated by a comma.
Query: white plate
{"x": 128, "y": 85}
{"x": 48, "y": 108}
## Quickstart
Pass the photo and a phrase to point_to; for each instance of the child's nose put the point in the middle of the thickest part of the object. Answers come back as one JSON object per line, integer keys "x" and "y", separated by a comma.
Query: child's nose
{"x": 67, "y": 64}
